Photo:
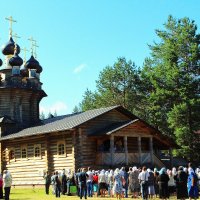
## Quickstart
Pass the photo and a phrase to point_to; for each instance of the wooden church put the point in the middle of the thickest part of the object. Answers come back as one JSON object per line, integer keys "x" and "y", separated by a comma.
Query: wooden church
{"x": 100, "y": 138}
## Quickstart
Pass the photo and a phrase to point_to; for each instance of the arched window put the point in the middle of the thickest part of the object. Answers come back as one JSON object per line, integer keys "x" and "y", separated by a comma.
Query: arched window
{"x": 37, "y": 150}
{"x": 61, "y": 148}
{"x": 24, "y": 152}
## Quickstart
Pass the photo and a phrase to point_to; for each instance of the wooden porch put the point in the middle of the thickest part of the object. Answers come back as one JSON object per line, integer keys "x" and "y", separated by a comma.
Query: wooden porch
{"x": 125, "y": 150}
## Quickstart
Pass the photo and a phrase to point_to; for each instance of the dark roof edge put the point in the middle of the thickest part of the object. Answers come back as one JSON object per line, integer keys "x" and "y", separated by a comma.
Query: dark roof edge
{"x": 149, "y": 125}
{"x": 43, "y": 133}
{"x": 123, "y": 126}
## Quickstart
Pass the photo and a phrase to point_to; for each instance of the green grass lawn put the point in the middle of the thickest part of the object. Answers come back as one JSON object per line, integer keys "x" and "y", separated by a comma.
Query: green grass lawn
{"x": 39, "y": 194}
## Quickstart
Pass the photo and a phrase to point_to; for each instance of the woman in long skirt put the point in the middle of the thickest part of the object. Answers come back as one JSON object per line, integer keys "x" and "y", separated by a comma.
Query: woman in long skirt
{"x": 134, "y": 185}
{"x": 181, "y": 184}
{"x": 118, "y": 184}
{"x": 151, "y": 189}
{"x": 163, "y": 179}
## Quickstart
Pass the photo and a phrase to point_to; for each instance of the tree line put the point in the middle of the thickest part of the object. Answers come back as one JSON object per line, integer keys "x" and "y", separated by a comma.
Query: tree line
{"x": 165, "y": 91}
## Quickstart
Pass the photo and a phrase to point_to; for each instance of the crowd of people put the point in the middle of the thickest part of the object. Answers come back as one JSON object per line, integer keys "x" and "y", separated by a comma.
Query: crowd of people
{"x": 181, "y": 182}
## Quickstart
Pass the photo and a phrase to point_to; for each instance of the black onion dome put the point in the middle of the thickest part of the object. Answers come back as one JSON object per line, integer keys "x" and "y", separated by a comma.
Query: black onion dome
{"x": 9, "y": 47}
{"x": 39, "y": 70}
{"x": 15, "y": 60}
{"x": 32, "y": 63}
{"x": 1, "y": 62}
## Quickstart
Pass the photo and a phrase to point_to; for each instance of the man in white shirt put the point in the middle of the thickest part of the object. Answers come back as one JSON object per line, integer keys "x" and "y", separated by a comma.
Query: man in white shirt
{"x": 89, "y": 182}
{"x": 143, "y": 180}
{"x": 7, "y": 182}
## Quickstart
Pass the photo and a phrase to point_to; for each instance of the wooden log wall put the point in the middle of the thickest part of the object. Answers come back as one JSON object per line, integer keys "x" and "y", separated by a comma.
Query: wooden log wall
{"x": 101, "y": 122}
{"x": 20, "y": 105}
{"x": 30, "y": 170}
{"x": 86, "y": 145}
{"x": 61, "y": 161}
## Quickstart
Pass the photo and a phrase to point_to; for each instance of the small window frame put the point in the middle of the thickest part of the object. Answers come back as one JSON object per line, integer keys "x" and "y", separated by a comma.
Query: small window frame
{"x": 24, "y": 147}
{"x": 39, "y": 153}
{"x": 61, "y": 144}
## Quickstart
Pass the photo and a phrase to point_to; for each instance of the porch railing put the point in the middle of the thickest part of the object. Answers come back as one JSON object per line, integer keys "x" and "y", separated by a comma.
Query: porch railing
{"x": 104, "y": 158}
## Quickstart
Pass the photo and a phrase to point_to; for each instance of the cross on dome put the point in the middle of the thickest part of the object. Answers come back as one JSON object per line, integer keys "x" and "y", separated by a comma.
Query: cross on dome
{"x": 11, "y": 20}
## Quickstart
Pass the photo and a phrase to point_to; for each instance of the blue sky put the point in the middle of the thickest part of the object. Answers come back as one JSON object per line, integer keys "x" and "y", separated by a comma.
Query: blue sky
{"x": 78, "y": 38}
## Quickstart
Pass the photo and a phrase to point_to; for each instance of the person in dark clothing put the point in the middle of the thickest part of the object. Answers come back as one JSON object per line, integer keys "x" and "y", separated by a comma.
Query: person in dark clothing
{"x": 77, "y": 183}
{"x": 156, "y": 186}
{"x": 58, "y": 185}
{"x": 163, "y": 179}
{"x": 82, "y": 183}
{"x": 64, "y": 182}
{"x": 47, "y": 178}
{"x": 126, "y": 183}
{"x": 181, "y": 184}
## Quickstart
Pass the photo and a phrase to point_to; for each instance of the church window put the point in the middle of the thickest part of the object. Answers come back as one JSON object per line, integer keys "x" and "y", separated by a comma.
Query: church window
{"x": 15, "y": 70}
{"x": 37, "y": 150}
{"x": 24, "y": 152}
{"x": 32, "y": 73}
{"x": 61, "y": 148}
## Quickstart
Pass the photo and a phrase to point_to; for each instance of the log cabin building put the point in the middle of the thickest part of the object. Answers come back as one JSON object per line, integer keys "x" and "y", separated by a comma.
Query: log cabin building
{"x": 100, "y": 138}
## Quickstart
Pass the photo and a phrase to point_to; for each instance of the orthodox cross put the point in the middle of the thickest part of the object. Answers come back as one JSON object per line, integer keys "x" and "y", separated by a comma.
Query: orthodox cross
{"x": 31, "y": 40}
{"x": 36, "y": 46}
{"x": 25, "y": 50}
{"x": 11, "y": 20}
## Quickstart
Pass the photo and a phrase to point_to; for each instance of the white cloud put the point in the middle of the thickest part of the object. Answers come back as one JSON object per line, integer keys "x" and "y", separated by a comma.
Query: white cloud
{"x": 59, "y": 107}
{"x": 79, "y": 68}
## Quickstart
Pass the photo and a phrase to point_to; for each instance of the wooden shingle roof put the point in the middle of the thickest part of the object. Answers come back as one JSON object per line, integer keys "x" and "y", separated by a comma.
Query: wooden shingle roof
{"x": 60, "y": 123}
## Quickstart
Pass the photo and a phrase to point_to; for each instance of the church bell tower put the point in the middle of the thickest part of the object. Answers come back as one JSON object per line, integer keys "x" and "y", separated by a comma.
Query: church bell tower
{"x": 20, "y": 87}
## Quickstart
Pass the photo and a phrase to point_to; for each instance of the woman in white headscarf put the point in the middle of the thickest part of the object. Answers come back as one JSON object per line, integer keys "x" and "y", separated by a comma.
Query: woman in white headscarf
{"x": 171, "y": 183}
{"x": 118, "y": 184}
{"x": 151, "y": 189}
{"x": 181, "y": 184}
{"x": 110, "y": 183}
{"x": 163, "y": 179}
{"x": 134, "y": 185}
{"x": 102, "y": 183}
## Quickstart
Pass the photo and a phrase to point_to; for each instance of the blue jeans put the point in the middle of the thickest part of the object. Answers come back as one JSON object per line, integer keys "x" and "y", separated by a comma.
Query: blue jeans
{"x": 68, "y": 187}
{"x": 58, "y": 190}
{"x": 126, "y": 190}
{"x": 83, "y": 190}
{"x": 89, "y": 188}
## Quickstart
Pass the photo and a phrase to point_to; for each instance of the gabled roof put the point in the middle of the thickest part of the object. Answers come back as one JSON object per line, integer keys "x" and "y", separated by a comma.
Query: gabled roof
{"x": 114, "y": 127}
{"x": 60, "y": 123}
{"x": 120, "y": 125}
